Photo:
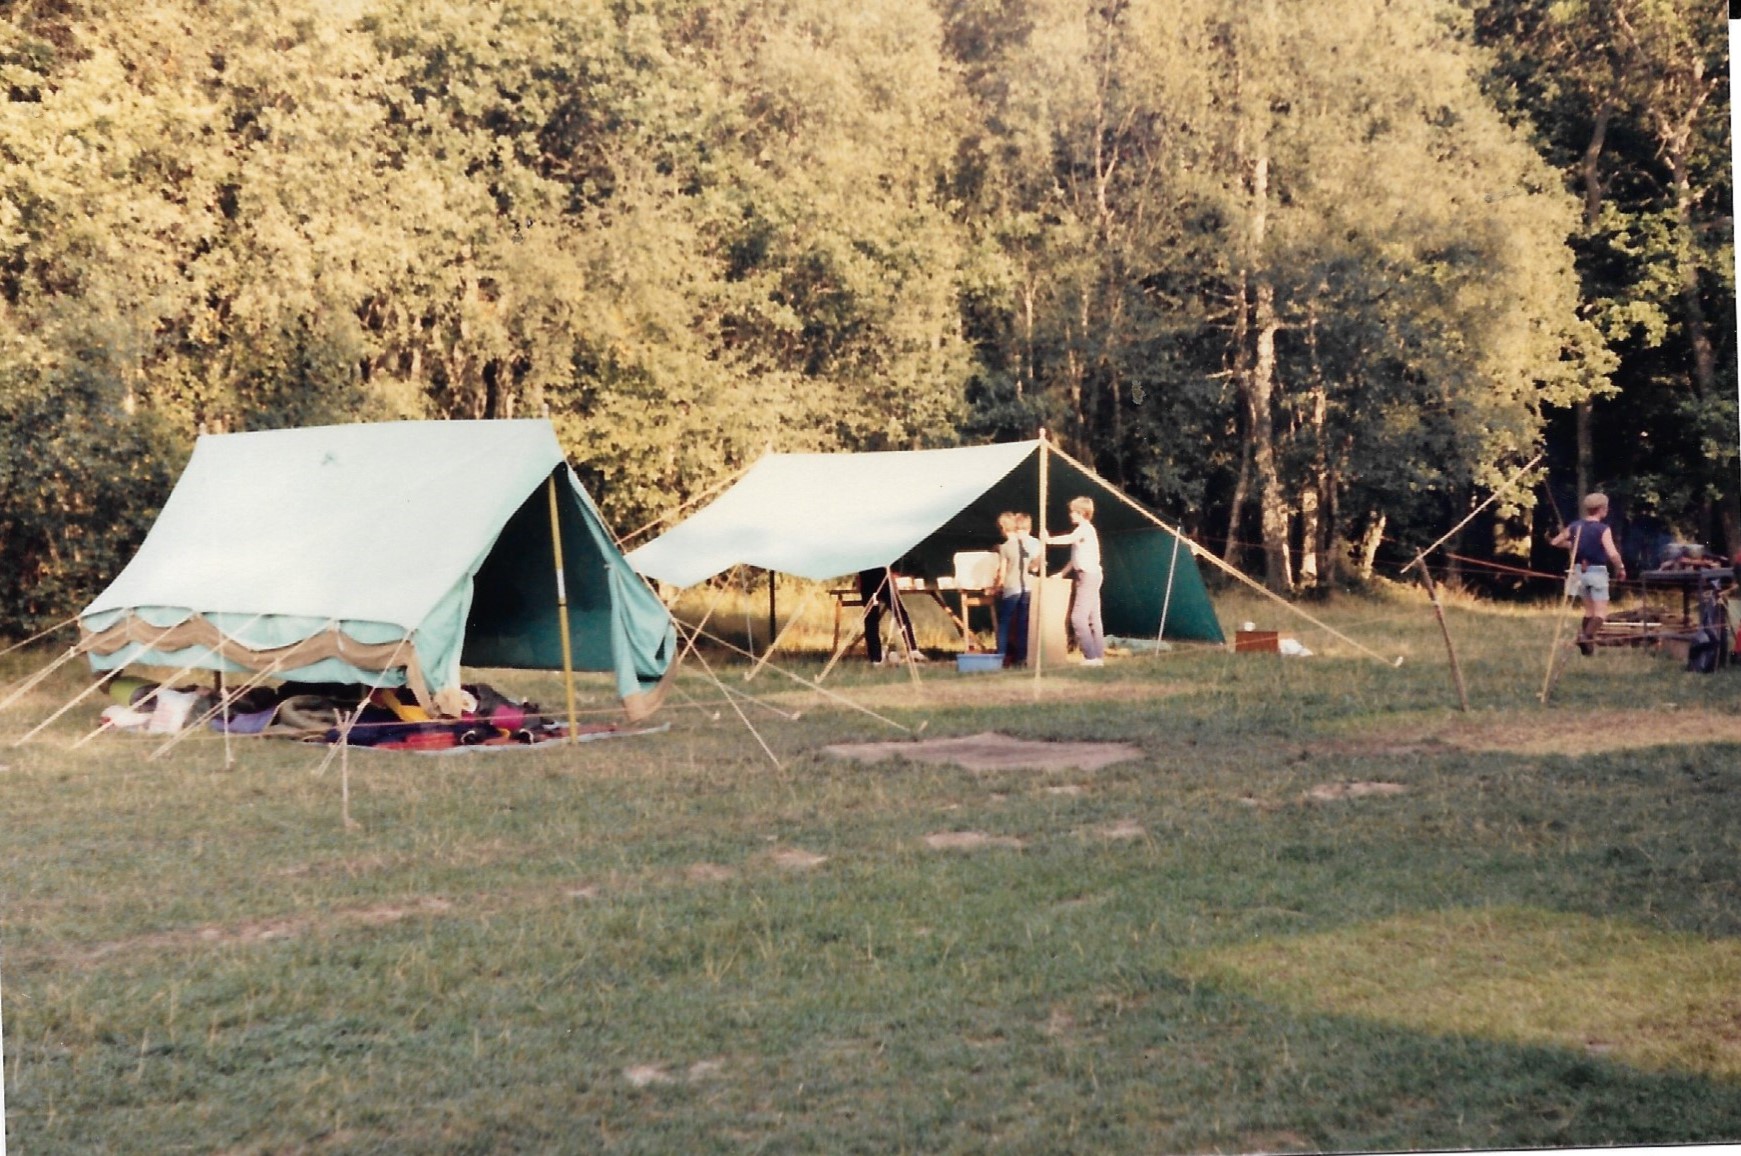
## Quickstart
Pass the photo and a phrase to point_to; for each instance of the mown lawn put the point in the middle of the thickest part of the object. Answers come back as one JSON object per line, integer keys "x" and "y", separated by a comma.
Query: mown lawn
{"x": 1527, "y": 935}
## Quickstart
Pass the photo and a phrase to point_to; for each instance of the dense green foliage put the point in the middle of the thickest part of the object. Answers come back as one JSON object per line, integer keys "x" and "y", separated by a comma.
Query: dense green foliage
{"x": 1305, "y": 269}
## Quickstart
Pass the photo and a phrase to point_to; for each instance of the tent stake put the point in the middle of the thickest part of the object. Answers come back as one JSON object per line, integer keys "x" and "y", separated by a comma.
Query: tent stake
{"x": 562, "y": 605}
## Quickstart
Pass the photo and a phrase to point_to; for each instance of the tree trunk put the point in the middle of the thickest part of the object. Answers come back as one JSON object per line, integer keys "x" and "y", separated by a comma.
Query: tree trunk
{"x": 1368, "y": 546}
{"x": 1590, "y": 173}
{"x": 1272, "y": 507}
{"x": 1242, "y": 485}
{"x": 1260, "y": 394}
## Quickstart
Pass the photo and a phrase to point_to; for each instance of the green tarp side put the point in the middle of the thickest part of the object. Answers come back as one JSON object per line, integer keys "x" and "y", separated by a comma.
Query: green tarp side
{"x": 821, "y": 516}
{"x": 612, "y": 614}
{"x": 431, "y": 532}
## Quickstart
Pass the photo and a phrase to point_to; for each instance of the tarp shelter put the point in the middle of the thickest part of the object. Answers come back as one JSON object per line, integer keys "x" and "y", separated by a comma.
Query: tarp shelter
{"x": 387, "y": 554}
{"x": 821, "y": 516}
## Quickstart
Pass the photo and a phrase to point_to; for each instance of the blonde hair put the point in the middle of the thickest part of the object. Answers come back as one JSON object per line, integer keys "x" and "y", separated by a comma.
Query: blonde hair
{"x": 1595, "y": 504}
{"x": 1083, "y": 506}
{"x": 1024, "y": 523}
{"x": 1006, "y": 522}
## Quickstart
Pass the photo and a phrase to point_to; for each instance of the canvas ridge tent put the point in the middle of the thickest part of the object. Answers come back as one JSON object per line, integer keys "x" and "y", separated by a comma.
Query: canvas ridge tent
{"x": 384, "y": 554}
{"x": 820, "y": 516}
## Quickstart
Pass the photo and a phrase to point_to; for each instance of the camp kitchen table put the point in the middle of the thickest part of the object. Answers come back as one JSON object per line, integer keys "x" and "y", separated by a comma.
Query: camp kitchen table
{"x": 1696, "y": 585}
{"x": 936, "y": 591}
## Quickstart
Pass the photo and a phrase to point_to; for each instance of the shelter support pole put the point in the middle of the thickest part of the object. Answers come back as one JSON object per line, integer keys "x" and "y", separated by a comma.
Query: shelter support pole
{"x": 1491, "y": 498}
{"x": 1560, "y": 622}
{"x": 1037, "y": 637}
{"x": 1450, "y": 648}
{"x": 773, "y": 633}
{"x": 1167, "y": 599}
{"x": 562, "y": 605}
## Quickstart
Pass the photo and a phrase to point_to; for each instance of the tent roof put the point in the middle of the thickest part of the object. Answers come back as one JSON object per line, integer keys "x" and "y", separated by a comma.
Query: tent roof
{"x": 369, "y": 522}
{"x": 822, "y": 515}
{"x": 435, "y": 532}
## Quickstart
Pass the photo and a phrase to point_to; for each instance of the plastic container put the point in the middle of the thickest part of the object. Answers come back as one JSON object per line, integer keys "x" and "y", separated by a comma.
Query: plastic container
{"x": 978, "y": 663}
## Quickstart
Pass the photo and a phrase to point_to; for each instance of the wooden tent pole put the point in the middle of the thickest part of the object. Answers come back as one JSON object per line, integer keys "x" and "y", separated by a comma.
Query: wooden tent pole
{"x": 1167, "y": 599}
{"x": 1420, "y": 558}
{"x": 1444, "y": 628}
{"x": 1037, "y": 621}
{"x": 562, "y": 604}
{"x": 1566, "y": 596}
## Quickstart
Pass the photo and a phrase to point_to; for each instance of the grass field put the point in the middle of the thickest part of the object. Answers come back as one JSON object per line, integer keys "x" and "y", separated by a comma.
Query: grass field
{"x": 1323, "y": 910}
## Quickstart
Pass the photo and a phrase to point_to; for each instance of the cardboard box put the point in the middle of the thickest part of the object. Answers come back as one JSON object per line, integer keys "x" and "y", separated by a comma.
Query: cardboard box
{"x": 1257, "y": 641}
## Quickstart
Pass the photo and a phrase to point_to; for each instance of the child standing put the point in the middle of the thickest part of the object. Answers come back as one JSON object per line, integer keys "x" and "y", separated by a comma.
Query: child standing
{"x": 1084, "y": 569}
{"x": 1018, "y": 560}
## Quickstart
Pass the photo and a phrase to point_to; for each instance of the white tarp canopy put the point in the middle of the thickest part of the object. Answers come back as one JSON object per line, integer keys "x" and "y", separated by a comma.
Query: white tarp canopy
{"x": 822, "y": 515}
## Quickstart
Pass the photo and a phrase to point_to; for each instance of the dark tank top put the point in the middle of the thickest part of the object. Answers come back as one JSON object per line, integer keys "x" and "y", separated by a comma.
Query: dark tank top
{"x": 1589, "y": 534}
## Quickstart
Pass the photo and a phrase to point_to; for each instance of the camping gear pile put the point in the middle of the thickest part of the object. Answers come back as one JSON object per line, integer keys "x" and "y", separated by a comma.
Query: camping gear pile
{"x": 383, "y": 718}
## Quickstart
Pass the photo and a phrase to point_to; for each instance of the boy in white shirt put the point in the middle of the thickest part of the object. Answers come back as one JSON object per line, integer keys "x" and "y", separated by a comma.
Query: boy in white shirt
{"x": 1084, "y": 568}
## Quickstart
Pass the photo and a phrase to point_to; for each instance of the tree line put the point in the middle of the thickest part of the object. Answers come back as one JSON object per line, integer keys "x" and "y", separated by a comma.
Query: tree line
{"x": 1305, "y": 275}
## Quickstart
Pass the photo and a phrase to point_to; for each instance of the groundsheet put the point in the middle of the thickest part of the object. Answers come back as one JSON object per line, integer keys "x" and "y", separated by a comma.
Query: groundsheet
{"x": 993, "y": 752}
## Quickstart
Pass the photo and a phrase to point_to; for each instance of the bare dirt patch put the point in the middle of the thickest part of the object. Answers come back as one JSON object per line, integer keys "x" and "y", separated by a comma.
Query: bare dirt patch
{"x": 1335, "y": 792}
{"x": 646, "y": 1075}
{"x": 1123, "y": 829}
{"x": 1572, "y": 734}
{"x": 269, "y": 930}
{"x": 796, "y": 860}
{"x": 968, "y": 841}
{"x": 993, "y": 752}
{"x": 1548, "y": 733}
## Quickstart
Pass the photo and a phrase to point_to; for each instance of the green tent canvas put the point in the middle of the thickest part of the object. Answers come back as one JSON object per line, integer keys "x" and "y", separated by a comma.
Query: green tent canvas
{"x": 382, "y": 554}
{"x": 820, "y": 516}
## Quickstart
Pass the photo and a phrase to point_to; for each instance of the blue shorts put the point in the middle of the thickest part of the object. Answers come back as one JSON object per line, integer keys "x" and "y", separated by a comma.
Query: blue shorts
{"x": 1593, "y": 582}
